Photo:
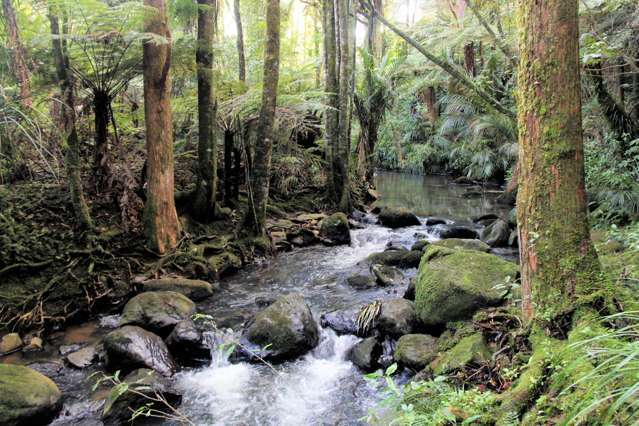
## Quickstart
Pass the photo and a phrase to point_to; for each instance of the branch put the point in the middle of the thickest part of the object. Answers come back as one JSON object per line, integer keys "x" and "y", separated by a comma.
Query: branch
{"x": 498, "y": 41}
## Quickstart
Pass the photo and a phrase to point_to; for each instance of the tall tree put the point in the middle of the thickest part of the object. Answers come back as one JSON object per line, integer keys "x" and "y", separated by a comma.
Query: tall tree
{"x": 331, "y": 121}
{"x": 18, "y": 54}
{"x": 260, "y": 176}
{"x": 239, "y": 40}
{"x": 72, "y": 161}
{"x": 161, "y": 223}
{"x": 558, "y": 262}
{"x": 341, "y": 157}
{"x": 204, "y": 205}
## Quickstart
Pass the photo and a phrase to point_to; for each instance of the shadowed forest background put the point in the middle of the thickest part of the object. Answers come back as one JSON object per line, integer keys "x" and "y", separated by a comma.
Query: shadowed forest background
{"x": 441, "y": 195}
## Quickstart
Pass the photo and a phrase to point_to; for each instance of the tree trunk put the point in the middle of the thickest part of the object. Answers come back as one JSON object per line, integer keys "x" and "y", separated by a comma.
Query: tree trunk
{"x": 342, "y": 186}
{"x": 161, "y": 223}
{"x": 204, "y": 205}
{"x": 558, "y": 262}
{"x": 259, "y": 185}
{"x": 239, "y": 40}
{"x": 469, "y": 59}
{"x": 80, "y": 207}
{"x": 101, "y": 163}
{"x": 331, "y": 122}
{"x": 18, "y": 54}
{"x": 228, "y": 166}
{"x": 431, "y": 104}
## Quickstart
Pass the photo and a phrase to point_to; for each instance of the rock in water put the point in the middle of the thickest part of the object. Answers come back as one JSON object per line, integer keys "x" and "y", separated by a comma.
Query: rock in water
{"x": 83, "y": 357}
{"x": 458, "y": 231}
{"x": 284, "y": 330}
{"x": 366, "y": 353}
{"x": 397, "y": 218}
{"x": 401, "y": 258}
{"x": 463, "y": 244}
{"x": 27, "y": 397}
{"x": 456, "y": 283}
{"x": 157, "y": 311}
{"x": 341, "y": 321}
{"x": 416, "y": 350}
{"x": 397, "y": 317}
{"x": 387, "y": 275}
{"x": 193, "y": 289}
{"x": 186, "y": 343}
{"x": 10, "y": 342}
{"x": 334, "y": 229}
{"x": 361, "y": 282}
{"x": 146, "y": 384}
{"x": 496, "y": 234}
{"x": 132, "y": 347}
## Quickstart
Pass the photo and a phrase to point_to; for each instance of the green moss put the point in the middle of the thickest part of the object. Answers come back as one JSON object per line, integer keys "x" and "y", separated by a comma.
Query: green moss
{"x": 472, "y": 348}
{"x": 463, "y": 244}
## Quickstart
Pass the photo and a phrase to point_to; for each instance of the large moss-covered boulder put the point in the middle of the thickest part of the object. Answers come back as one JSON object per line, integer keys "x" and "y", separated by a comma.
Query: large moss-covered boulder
{"x": 453, "y": 284}
{"x": 27, "y": 397}
{"x": 471, "y": 349}
{"x": 131, "y": 347}
{"x": 157, "y": 311}
{"x": 496, "y": 234}
{"x": 463, "y": 244}
{"x": 284, "y": 330}
{"x": 397, "y": 218}
{"x": 144, "y": 387}
{"x": 193, "y": 289}
{"x": 416, "y": 351}
{"x": 334, "y": 229}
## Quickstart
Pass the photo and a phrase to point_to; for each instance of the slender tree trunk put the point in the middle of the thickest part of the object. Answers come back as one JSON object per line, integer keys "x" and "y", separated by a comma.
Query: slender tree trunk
{"x": 18, "y": 54}
{"x": 259, "y": 185}
{"x": 469, "y": 59}
{"x": 78, "y": 201}
{"x": 161, "y": 223}
{"x": 431, "y": 104}
{"x": 239, "y": 40}
{"x": 316, "y": 47}
{"x": 342, "y": 186}
{"x": 204, "y": 205}
{"x": 331, "y": 122}
{"x": 101, "y": 163}
{"x": 558, "y": 262}
{"x": 228, "y": 166}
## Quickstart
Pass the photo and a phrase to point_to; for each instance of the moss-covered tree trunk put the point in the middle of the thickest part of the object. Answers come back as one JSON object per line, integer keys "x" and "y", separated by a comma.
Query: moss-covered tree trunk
{"x": 331, "y": 86}
{"x": 161, "y": 224}
{"x": 558, "y": 261}
{"x": 18, "y": 54}
{"x": 101, "y": 163}
{"x": 260, "y": 173}
{"x": 72, "y": 161}
{"x": 239, "y": 40}
{"x": 204, "y": 203}
{"x": 341, "y": 157}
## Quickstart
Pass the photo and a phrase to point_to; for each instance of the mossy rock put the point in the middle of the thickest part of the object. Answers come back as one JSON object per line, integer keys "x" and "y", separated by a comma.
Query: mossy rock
{"x": 420, "y": 245}
{"x": 463, "y": 244}
{"x": 416, "y": 350}
{"x": 397, "y": 218}
{"x": 157, "y": 311}
{"x": 496, "y": 234}
{"x": 470, "y": 349}
{"x": 193, "y": 289}
{"x": 399, "y": 258}
{"x": 453, "y": 284}
{"x": 27, "y": 397}
{"x": 455, "y": 331}
{"x": 282, "y": 331}
{"x": 334, "y": 229}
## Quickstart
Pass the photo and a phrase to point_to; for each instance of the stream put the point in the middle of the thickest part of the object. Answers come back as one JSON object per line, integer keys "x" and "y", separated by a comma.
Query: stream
{"x": 322, "y": 387}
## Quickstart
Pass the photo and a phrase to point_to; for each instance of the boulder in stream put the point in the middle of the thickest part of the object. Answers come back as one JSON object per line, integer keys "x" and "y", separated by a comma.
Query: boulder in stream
{"x": 496, "y": 234}
{"x": 458, "y": 231}
{"x": 416, "y": 351}
{"x": 334, "y": 229}
{"x": 401, "y": 258}
{"x": 387, "y": 275}
{"x": 366, "y": 353}
{"x": 342, "y": 321}
{"x": 361, "y": 282}
{"x": 157, "y": 311}
{"x": 283, "y": 331}
{"x": 397, "y": 317}
{"x": 131, "y": 347}
{"x": 453, "y": 284}
{"x": 27, "y": 397}
{"x": 463, "y": 244}
{"x": 193, "y": 289}
{"x": 187, "y": 344}
{"x": 397, "y": 218}
{"x": 146, "y": 384}
{"x": 84, "y": 357}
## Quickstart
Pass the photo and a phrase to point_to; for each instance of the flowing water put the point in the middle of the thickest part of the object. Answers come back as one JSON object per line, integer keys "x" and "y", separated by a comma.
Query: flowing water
{"x": 323, "y": 387}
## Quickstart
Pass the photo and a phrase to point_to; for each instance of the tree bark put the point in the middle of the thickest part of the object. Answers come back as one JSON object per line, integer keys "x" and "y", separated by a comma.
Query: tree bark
{"x": 558, "y": 262}
{"x": 469, "y": 59}
{"x": 228, "y": 166}
{"x": 101, "y": 163}
{"x": 239, "y": 40}
{"x": 259, "y": 182}
{"x": 18, "y": 54}
{"x": 161, "y": 223}
{"x": 80, "y": 207}
{"x": 331, "y": 122}
{"x": 341, "y": 160}
{"x": 204, "y": 204}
